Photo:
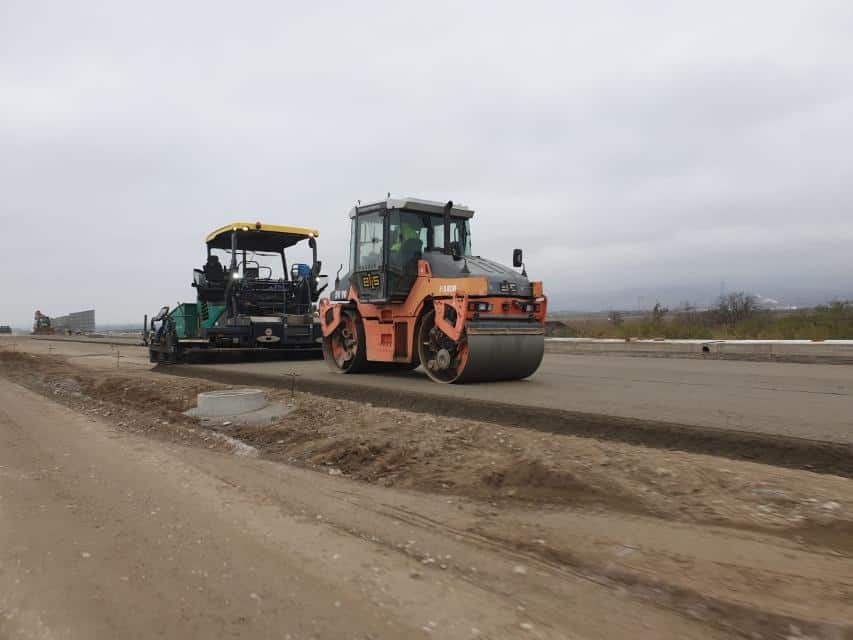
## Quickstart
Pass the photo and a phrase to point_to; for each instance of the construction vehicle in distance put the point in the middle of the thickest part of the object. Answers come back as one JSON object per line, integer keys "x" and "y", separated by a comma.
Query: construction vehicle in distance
{"x": 242, "y": 307}
{"x": 41, "y": 324}
{"x": 5, "y": 328}
{"x": 415, "y": 294}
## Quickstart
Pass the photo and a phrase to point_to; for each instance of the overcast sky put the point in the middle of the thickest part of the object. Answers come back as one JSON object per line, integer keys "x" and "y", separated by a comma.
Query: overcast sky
{"x": 623, "y": 145}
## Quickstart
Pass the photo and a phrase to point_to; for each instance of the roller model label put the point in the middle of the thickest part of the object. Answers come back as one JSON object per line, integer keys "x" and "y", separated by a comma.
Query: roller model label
{"x": 370, "y": 281}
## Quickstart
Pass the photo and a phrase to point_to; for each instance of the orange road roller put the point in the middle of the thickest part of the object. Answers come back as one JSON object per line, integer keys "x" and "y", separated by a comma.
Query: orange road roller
{"x": 416, "y": 295}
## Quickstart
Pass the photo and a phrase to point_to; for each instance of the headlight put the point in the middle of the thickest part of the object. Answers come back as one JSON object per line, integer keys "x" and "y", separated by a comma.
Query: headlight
{"x": 527, "y": 307}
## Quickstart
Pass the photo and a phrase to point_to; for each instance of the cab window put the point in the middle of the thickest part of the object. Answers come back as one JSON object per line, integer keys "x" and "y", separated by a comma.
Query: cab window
{"x": 407, "y": 234}
{"x": 351, "y": 256}
{"x": 370, "y": 243}
{"x": 459, "y": 232}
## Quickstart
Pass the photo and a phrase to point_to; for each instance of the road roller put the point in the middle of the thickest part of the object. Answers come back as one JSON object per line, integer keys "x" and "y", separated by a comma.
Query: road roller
{"x": 415, "y": 294}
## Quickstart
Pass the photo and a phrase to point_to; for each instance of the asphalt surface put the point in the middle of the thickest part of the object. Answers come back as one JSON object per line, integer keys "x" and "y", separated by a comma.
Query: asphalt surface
{"x": 808, "y": 401}
{"x": 801, "y": 400}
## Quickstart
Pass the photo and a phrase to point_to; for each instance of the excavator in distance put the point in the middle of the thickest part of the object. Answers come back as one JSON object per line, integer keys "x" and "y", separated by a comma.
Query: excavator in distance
{"x": 416, "y": 295}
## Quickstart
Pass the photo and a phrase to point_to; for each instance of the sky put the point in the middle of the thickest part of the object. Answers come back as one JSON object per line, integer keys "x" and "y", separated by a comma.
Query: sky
{"x": 654, "y": 148}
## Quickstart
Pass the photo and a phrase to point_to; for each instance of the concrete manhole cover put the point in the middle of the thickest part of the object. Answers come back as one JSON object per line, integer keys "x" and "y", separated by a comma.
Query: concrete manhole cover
{"x": 230, "y": 402}
{"x": 232, "y": 408}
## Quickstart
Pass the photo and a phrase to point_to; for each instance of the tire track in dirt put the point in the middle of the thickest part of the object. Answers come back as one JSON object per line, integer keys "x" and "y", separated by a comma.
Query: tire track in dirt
{"x": 725, "y": 615}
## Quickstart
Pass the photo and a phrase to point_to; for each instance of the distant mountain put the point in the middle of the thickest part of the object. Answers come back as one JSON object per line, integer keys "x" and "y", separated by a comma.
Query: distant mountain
{"x": 698, "y": 296}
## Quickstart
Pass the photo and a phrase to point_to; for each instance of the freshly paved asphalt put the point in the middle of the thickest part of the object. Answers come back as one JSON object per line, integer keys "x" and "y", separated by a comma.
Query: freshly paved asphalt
{"x": 810, "y": 401}
{"x": 813, "y": 401}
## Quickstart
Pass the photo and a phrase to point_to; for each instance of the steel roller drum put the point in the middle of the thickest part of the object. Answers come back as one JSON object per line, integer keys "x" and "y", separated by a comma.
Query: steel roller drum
{"x": 502, "y": 353}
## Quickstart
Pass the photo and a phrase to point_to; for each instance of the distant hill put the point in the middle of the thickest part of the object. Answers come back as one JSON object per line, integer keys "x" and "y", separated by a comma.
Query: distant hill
{"x": 563, "y": 299}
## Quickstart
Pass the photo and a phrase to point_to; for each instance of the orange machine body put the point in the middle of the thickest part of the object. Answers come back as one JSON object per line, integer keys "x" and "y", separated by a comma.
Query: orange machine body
{"x": 391, "y": 328}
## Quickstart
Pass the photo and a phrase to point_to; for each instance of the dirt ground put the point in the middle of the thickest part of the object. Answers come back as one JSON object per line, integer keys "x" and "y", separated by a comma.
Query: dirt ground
{"x": 740, "y": 549}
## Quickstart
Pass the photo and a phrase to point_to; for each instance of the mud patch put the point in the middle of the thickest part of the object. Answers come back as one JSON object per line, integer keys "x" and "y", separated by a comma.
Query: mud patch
{"x": 360, "y": 459}
{"x": 531, "y": 478}
{"x": 532, "y": 474}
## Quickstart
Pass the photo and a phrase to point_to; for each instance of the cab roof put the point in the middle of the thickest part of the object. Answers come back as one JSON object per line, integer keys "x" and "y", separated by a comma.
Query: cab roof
{"x": 413, "y": 204}
{"x": 255, "y": 236}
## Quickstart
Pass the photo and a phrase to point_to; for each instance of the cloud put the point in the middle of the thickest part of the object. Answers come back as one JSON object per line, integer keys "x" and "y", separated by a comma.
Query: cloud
{"x": 617, "y": 143}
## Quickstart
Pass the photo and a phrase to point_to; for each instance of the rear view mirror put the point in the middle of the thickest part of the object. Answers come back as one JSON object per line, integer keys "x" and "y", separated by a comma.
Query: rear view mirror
{"x": 320, "y": 284}
{"x": 517, "y": 258}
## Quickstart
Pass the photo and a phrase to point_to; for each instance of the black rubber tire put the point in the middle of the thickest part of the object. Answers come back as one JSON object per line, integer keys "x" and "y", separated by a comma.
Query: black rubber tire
{"x": 358, "y": 363}
{"x": 416, "y": 352}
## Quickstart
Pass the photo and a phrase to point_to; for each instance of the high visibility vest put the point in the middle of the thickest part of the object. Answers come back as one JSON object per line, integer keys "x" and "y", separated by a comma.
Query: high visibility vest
{"x": 407, "y": 232}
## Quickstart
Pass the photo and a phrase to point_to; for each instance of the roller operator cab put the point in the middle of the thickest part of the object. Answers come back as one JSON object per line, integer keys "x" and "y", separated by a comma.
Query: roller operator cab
{"x": 247, "y": 297}
{"x": 416, "y": 294}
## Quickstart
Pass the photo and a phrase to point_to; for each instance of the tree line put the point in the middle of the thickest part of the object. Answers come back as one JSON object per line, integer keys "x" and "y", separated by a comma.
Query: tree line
{"x": 736, "y": 315}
